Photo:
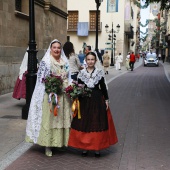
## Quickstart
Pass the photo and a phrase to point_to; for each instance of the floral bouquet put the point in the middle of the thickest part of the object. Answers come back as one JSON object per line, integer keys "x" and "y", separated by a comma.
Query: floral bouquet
{"x": 74, "y": 91}
{"x": 53, "y": 87}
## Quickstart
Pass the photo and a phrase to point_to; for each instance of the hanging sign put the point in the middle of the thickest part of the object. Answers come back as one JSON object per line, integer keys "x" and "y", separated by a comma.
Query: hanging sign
{"x": 112, "y": 6}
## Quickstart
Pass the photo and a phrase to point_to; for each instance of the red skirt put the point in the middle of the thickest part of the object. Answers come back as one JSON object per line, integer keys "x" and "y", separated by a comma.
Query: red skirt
{"x": 94, "y": 140}
{"x": 20, "y": 88}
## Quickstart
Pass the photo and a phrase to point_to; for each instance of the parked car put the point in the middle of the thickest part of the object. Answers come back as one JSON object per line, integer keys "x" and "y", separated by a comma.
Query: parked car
{"x": 151, "y": 59}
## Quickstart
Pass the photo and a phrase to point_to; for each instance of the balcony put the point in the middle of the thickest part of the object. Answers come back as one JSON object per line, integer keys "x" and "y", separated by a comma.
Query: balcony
{"x": 72, "y": 28}
{"x": 129, "y": 31}
{"x": 91, "y": 27}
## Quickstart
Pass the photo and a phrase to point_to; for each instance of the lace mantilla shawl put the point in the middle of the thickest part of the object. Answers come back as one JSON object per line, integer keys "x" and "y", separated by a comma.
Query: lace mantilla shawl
{"x": 91, "y": 79}
{"x": 35, "y": 110}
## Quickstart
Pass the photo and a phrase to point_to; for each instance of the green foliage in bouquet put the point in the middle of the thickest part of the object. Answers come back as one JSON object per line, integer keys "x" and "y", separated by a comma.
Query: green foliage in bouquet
{"x": 53, "y": 84}
{"x": 76, "y": 90}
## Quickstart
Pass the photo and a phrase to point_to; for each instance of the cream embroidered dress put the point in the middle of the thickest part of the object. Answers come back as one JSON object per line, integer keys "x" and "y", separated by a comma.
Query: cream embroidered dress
{"x": 54, "y": 130}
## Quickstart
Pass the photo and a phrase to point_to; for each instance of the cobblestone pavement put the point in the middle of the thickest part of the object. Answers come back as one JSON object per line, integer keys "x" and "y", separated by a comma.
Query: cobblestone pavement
{"x": 140, "y": 108}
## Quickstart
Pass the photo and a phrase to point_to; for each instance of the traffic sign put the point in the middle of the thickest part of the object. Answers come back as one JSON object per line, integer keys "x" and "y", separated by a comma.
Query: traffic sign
{"x": 109, "y": 48}
{"x": 108, "y": 43}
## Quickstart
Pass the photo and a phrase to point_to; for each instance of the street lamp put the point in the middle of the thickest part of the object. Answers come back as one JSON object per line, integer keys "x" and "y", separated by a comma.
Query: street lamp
{"x": 112, "y": 37}
{"x": 31, "y": 76}
{"x": 98, "y": 3}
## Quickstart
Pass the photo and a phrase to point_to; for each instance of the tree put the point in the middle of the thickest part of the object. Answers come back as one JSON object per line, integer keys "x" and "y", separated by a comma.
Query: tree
{"x": 165, "y": 4}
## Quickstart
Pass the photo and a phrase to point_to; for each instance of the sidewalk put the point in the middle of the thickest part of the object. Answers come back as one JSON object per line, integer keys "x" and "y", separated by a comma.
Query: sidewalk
{"x": 113, "y": 73}
{"x": 13, "y": 127}
{"x": 166, "y": 66}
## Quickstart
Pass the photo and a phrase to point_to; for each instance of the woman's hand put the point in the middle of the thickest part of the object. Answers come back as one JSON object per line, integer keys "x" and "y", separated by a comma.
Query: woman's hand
{"x": 107, "y": 104}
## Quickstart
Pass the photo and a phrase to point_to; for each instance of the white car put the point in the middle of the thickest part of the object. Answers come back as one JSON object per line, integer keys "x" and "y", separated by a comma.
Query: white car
{"x": 151, "y": 59}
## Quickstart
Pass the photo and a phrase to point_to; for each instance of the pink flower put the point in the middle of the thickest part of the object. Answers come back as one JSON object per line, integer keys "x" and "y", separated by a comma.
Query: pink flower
{"x": 74, "y": 82}
{"x": 81, "y": 85}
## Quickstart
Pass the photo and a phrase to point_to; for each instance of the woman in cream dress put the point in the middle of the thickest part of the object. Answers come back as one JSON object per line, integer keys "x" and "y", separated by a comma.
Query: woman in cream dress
{"x": 43, "y": 128}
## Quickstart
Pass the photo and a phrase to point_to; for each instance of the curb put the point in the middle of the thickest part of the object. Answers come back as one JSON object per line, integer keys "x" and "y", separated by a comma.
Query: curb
{"x": 13, "y": 154}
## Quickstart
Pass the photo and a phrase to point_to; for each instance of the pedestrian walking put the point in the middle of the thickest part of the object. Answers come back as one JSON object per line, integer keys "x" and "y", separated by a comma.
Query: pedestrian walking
{"x": 159, "y": 56}
{"x": 20, "y": 85}
{"x": 106, "y": 62}
{"x": 73, "y": 59}
{"x": 127, "y": 61}
{"x": 95, "y": 130}
{"x": 81, "y": 56}
{"x": 47, "y": 125}
{"x": 119, "y": 59}
{"x": 132, "y": 61}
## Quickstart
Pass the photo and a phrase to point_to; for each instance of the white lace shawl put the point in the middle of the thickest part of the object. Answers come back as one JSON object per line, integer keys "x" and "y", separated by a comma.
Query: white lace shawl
{"x": 99, "y": 66}
{"x": 91, "y": 79}
{"x": 35, "y": 110}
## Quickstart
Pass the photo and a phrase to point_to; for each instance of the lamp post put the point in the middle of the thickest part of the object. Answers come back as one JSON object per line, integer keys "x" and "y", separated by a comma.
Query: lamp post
{"x": 114, "y": 52}
{"x": 98, "y": 3}
{"x": 31, "y": 76}
{"x": 112, "y": 37}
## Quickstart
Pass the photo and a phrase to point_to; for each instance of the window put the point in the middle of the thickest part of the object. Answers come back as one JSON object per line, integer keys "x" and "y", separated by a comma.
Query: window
{"x": 22, "y": 6}
{"x": 72, "y": 20}
{"x": 18, "y": 5}
{"x": 93, "y": 21}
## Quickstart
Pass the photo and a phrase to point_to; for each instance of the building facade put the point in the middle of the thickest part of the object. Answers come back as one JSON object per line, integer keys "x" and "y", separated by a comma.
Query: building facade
{"x": 159, "y": 31}
{"x": 50, "y": 23}
{"x": 81, "y": 27}
{"x": 166, "y": 37}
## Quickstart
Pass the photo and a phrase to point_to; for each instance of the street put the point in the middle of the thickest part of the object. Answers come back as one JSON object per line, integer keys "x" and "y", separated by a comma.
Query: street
{"x": 139, "y": 101}
{"x": 140, "y": 105}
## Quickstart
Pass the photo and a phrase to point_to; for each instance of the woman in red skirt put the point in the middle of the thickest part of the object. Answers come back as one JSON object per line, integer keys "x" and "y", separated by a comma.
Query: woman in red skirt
{"x": 95, "y": 130}
{"x": 20, "y": 85}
